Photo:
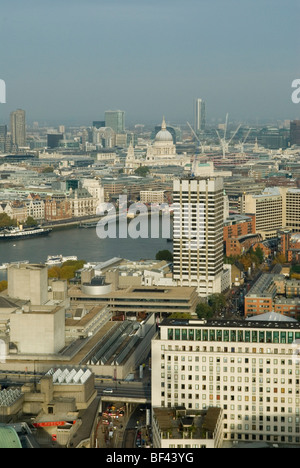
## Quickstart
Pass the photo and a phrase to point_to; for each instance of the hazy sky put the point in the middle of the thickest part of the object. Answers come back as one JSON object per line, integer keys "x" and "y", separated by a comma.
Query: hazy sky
{"x": 70, "y": 60}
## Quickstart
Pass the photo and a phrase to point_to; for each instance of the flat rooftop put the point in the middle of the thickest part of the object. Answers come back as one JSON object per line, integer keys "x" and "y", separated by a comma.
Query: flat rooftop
{"x": 253, "y": 323}
{"x": 179, "y": 423}
{"x": 141, "y": 292}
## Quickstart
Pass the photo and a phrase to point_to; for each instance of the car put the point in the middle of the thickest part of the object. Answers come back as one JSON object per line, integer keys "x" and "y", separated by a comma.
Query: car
{"x": 108, "y": 390}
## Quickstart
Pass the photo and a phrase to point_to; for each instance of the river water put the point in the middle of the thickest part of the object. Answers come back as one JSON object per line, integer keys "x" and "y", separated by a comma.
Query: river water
{"x": 84, "y": 243}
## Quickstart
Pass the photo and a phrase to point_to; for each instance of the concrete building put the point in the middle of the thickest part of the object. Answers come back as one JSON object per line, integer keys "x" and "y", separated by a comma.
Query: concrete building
{"x": 60, "y": 404}
{"x": 292, "y": 208}
{"x": 138, "y": 302}
{"x": 38, "y": 330}
{"x": 152, "y": 196}
{"x": 275, "y": 208}
{"x": 247, "y": 368}
{"x": 268, "y": 210}
{"x": 198, "y": 233}
{"x": 28, "y": 282}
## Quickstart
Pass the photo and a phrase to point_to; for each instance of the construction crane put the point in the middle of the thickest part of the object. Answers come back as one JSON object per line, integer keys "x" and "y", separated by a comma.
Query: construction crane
{"x": 196, "y": 157}
{"x": 224, "y": 144}
{"x": 197, "y": 138}
{"x": 244, "y": 141}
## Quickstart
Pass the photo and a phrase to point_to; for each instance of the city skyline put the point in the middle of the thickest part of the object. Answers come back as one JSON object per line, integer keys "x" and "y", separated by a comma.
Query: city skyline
{"x": 72, "y": 64}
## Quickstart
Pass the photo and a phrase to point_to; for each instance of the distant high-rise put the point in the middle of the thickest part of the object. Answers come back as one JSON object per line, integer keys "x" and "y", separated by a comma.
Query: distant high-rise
{"x": 3, "y": 137}
{"x": 115, "y": 120}
{"x": 54, "y": 139}
{"x": 200, "y": 120}
{"x": 295, "y": 132}
{"x": 18, "y": 128}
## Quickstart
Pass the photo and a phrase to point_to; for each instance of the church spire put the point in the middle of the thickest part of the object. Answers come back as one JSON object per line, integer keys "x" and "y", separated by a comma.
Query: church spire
{"x": 164, "y": 125}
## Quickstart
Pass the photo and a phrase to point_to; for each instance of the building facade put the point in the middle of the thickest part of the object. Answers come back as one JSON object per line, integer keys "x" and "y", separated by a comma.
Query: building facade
{"x": 18, "y": 128}
{"x": 200, "y": 119}
{"x": 198, "y": 233}
{"x": 247, "y": 368}
{"x": 115, "y": 120}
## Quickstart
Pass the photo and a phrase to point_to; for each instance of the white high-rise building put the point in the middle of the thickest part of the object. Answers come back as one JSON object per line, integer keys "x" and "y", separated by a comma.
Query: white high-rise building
{"x": 200, "y": 119}
{"x": 198, "y": 233}
{"x": 249, "y": 369}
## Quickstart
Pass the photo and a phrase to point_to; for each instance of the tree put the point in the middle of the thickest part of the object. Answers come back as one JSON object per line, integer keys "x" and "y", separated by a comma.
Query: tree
{"x": 280, "y": 258}
{"x": 67, "y": 270}
{"x": 6, "y": 221}
{"x": 47, "y": 170}
{"x": 259, "y": 254}
{"x": 30, "y": 222}
{"x": 3, "y": 285}
{"x": 142, "y": 171}
{"x": 204, "y": 310}
{"x": 164, "y": 255}
{"x": 217, "y": 302}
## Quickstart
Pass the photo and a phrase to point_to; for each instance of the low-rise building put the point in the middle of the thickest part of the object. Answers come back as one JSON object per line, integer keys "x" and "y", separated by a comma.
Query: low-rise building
{"x": 176, "y": 428}
{"x": 139, "y": 301}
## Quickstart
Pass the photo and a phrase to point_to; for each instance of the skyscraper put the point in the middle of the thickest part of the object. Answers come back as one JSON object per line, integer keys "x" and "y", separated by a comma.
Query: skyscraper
{"x": 18, "y": 128}
{"x": 199, "y": 115}
{"x": 115, "y": 120}
{"x": 198, "y": 233}
{"x": 295, "y": 132}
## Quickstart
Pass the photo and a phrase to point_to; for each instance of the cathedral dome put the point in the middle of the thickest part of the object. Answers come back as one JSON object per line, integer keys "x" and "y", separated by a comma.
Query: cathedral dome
{"x": 163, "y": 135}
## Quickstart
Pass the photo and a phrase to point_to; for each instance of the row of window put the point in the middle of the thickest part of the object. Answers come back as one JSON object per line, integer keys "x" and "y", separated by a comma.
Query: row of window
{"x": 239, "y": 336}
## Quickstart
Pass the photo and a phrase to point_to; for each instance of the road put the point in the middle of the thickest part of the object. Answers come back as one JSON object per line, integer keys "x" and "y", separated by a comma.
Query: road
{"x": 139, "y": 390}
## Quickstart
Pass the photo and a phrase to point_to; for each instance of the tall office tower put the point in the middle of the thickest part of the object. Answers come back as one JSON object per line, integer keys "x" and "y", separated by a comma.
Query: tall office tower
{"x": 295, "y": 132}
{"x": 115, "y": 120}
{"x": 199, "y": 115}
{"x": 249, "y": 368}
{"x": 18, "y": 128}
{"x": 3, "y": 137}
{"x": 198, "y": 233}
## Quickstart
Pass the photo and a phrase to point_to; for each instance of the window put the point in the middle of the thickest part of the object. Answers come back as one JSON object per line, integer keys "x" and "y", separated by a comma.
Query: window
{"x": 254, "y": 336}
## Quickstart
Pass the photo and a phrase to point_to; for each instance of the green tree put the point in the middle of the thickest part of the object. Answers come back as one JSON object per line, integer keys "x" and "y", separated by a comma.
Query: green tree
{"x": 6, "y": 221}
{"x": 47, "y": 170}
{"x": 216, "y": 302}
{"x": 164, "y": 255}
{"x": 67, "y": 270}
{"x": 204, "y": 310}
{"x": 142, "y": 171}
{"x": 30, "y": 222}
{"x": 259, "y": 254}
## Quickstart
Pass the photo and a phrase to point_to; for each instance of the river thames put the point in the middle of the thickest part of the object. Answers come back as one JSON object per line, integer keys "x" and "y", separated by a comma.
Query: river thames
{"x": 83, "y": 243}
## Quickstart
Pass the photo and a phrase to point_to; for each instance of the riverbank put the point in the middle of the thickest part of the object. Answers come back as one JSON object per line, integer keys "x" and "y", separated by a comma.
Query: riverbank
{"x": 70, "y": 223}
